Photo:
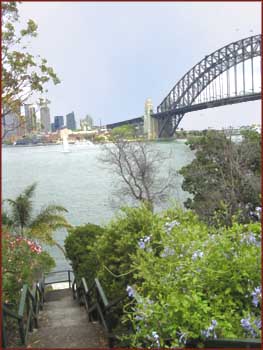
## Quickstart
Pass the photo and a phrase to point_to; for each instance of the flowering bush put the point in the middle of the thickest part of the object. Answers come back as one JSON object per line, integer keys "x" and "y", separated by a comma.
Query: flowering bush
{"x": 23, "y": 260}
{"x": 182, "y": 279}
{"x": 195, "y": 282}
{"x": 131, "y": 229}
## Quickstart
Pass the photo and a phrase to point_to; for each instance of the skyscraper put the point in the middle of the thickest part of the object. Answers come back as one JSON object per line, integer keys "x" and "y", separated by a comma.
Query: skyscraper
{"x": 30, "y": 118}
{"x": 10, "y": 124}
{"x": 45, "y": 118}
{"x": 87, "y": 123}
{"x": 58, "y": 122}
{"x": 13, "y": 123}
{"x": 71, "y": 122}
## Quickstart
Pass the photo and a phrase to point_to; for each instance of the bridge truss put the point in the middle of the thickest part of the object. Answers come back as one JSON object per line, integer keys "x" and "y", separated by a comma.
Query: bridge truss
{"x": 227, "y": 76}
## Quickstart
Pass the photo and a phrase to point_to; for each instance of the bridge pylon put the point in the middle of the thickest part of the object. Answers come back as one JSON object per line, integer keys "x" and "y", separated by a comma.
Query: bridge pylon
{"x": 150, "y": 123}
{"x": 168, "y": 124}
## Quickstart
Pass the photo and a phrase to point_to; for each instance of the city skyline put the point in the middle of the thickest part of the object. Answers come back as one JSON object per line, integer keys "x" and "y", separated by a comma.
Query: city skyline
{"x": 110, "y": 70}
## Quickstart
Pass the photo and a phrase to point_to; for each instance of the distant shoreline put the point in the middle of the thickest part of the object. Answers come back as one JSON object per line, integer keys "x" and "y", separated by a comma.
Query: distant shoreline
{"x": 59, "y": 144}
{"x": 33, "y": 145}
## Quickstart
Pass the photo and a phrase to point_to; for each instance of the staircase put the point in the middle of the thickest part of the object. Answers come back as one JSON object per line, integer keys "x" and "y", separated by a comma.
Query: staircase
{"x": 64, "y": 324}
{"x": 74, "y": 317}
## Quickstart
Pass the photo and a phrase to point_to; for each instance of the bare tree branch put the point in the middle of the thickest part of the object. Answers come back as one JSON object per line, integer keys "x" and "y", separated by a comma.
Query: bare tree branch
{"x": 138, "y": 165}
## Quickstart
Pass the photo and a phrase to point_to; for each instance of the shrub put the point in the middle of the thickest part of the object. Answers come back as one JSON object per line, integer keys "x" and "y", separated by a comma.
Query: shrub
{"x": 185, "y": 280}
{"x": 23, "y": 261}
{"x": 118, "y": 242}
{"x": 79, "y": 249}
{"x": 195, "y": 282}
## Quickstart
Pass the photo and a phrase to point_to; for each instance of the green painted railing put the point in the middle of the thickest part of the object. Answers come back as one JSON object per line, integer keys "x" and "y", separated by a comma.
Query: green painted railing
{"x": 27, "y": 316}
{"x": 31, "y": 302}
{"x": 69, "y": 279}
{"x": 97, "y": 305}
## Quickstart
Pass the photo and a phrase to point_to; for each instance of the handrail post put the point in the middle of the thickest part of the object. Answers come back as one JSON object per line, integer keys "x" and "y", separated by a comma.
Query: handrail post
{"x": 69, "y": 279}
{"x": 22, "y": 331}
{"x": 4, "y": 337}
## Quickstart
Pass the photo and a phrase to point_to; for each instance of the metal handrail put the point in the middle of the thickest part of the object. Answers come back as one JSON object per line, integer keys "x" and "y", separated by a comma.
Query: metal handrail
{"x": 96, "y": 303}
{"x": 60, "y": 281}
{"x": 27, "y": 315}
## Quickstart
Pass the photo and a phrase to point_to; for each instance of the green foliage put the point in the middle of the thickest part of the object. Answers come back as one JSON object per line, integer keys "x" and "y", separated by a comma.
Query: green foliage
{"x": 23, "y": 261}
{"x": 98, "y": 138}
{"x": 126, "y": 132}
{"x": 79, "y": 246}
{"x": 118, "y": 242}
{"x": 224, "y": 177}
{"x": 190, "y": 276}
{"x": 22, "y": 73}
{"x": 183, "y": 274}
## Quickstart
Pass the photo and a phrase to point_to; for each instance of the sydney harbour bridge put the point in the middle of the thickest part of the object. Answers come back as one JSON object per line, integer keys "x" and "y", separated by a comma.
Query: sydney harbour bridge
{"x": 229, "y": 75}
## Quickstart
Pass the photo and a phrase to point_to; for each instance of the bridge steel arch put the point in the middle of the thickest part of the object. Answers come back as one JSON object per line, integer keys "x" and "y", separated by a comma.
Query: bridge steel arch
{"x": 184, "y": 94}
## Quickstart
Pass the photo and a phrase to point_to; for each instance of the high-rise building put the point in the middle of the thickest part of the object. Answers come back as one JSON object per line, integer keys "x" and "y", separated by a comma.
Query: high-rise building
{"x": 70, "y": 121}
{"x": 53, "y": 127}
{"x": 58, "y": 122}
{"x": 87, "y": 123}
{"x": 45, "y": 118}
{"x": 30, "y": 118}
{"x": 13, "y": 124}
{"x": 9, "y": 125}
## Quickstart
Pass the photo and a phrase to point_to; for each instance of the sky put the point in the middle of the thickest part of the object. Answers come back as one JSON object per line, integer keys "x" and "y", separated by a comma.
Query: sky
{"x": 112, "y": 56}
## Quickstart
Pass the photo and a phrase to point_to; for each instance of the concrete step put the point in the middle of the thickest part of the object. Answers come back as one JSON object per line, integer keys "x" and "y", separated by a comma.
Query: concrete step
{"x": 64, "y": 324}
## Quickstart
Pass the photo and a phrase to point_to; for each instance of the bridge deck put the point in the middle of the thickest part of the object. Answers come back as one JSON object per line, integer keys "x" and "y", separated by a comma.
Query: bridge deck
{"x": 63, "y": 324}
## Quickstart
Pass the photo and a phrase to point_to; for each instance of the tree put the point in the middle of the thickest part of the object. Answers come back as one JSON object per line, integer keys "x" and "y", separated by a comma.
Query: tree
{"x": 22, "y": 73}
{"x": 42, "y": 225}
{"x": 224, "y": 177}
{"x": 138, "y": 166}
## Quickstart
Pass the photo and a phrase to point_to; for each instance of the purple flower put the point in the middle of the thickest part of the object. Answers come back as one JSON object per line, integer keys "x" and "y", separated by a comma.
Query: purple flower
{"x": 214, "y": 323}
{"x": 142, "y": 242}
{"x": 168, "y": 226}
{"x": 138, "y": 318}
{"x": 257, "y": 323}
{"x": 156, "y": 338}
{"x": 250, "y": 238}
{"x": 130, "y": 291}
{"x": 256, "y": 295}
{"x": 167, "y": 252}
{"x": 182, "y": 338}
{"x": 245, "y": 323}
{"x": 210, "y": 331}
{"x": 197, "y": 254}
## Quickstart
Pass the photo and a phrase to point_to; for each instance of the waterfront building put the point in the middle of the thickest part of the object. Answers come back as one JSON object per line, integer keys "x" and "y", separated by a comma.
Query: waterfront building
{"x": 45, "y": 118}
{"x": 86, "y": 123}
{"x": 70, "y": 121}
{"x": 53, "y": 127}
{"x": 58, "y": 122}
{"x": 30, "y": 118}
{"x": 13, "y": 125}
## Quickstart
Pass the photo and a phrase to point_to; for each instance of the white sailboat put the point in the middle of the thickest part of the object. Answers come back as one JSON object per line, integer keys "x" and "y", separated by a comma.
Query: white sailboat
{"x": 65, "y": 144}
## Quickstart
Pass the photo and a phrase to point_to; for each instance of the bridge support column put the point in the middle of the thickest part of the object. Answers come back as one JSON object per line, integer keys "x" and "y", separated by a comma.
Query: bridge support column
{"x": 150, "y": 123}
{"x": 168, "y": 124}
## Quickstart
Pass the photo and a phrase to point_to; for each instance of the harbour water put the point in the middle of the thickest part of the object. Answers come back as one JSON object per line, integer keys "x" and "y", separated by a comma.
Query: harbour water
{"x": 76, "y": 180}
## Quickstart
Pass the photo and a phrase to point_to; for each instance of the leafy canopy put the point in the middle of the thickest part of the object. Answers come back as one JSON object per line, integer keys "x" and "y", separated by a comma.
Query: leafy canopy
{"x": 23, "y": 74}
{"x": 224, "y": 177}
